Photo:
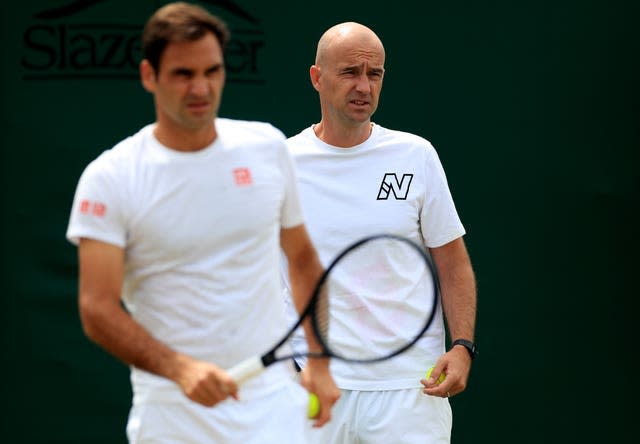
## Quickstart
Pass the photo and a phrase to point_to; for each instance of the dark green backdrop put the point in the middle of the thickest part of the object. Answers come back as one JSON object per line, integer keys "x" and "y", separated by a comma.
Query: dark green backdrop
{"x": 532, "y": 105}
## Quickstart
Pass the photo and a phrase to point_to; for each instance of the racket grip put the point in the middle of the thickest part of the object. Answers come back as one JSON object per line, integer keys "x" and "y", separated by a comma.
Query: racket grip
{"x": 246, "y": 370}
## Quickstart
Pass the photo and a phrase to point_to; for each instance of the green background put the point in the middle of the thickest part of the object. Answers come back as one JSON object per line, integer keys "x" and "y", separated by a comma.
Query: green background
{"x": 533, "y": 107}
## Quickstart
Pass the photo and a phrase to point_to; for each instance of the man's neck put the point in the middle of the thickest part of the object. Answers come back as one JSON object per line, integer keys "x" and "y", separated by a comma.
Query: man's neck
{"x": 341, "y": 136}
{"x": 184, "y": 139}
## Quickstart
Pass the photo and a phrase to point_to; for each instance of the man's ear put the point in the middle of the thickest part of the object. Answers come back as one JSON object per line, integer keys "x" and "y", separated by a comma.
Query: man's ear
{"x": 314, "y": 75}
{"x": 147, "y": 76}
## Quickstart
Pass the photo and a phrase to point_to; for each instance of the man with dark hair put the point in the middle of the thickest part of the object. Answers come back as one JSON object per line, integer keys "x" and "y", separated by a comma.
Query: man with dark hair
{"x": 182, "y": 222}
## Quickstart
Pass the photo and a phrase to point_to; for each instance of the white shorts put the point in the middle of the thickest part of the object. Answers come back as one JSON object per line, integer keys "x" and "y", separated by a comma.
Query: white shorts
{"x": 278, "y": 418}
{"x": 392, "y": 416}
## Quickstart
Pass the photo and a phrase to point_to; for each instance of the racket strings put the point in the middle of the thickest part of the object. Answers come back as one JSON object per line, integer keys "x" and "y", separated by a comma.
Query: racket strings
{"x": 380, "y": 297}
{"x": 322, "y": 313}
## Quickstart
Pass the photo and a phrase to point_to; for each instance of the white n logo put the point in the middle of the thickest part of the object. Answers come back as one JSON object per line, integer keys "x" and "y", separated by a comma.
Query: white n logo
{"x": 390, "y": 184}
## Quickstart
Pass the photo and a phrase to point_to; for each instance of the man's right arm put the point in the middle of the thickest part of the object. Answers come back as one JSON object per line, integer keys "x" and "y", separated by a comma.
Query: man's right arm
{"x": 105, "y": 322}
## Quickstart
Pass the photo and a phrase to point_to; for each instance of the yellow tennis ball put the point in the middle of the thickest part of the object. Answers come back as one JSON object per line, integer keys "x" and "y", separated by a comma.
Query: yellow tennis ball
{"x": 440, "y": 379}
{"x": 314, "y": 406}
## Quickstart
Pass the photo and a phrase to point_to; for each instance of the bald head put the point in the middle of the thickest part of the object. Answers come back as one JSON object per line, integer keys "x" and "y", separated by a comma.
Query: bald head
{"x": 351, "y": 36}
{"x": 348, "y": 74}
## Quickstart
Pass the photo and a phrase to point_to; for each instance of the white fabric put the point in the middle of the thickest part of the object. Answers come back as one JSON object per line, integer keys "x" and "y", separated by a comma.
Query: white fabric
{"x": 278, "y": 418}
{"x": 343, "y": 201}
{"x": 201, "y": 237}
{"x": 394, "y": 416}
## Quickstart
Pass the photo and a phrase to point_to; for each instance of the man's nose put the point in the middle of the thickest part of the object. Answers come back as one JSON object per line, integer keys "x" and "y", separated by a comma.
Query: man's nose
{"x": 363, "y": 85}
{"x": 200, "y": 86}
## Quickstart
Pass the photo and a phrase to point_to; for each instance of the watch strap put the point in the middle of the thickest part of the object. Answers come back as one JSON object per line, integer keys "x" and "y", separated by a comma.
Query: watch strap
{"x": 469, "y": 345}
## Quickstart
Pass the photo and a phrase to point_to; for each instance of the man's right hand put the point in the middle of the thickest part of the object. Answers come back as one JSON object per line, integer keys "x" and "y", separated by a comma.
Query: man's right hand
{"x": 205, "y": 383}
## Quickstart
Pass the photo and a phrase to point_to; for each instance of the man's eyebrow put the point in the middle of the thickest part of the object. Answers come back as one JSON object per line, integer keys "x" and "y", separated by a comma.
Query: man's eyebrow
{"x": 182, "y": 71}
{"x": 189, "y": 71}
{"x": 215, "y": 67}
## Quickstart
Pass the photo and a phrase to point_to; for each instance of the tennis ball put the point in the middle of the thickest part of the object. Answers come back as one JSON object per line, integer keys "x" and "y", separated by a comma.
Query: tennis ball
{"x": 440, "y": 379}
{"x": 314, "y": 406}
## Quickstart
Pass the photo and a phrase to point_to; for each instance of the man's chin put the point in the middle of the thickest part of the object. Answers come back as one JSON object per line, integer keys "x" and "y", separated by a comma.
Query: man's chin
{"x": 196, "y": 121}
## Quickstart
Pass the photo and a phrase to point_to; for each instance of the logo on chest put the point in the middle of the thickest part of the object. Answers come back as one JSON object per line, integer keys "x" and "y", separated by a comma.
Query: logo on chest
{"x": 242, "y": 176}
{"x": 393, "y": 187}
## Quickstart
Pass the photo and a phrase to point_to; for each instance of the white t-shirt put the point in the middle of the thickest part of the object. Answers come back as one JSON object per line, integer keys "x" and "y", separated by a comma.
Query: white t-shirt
{"x": 391, "y": 183}
{"x": 201, "y": 237}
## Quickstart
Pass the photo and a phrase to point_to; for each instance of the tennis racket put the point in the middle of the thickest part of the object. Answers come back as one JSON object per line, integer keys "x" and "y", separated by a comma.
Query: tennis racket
{"x": 381, "y": 295}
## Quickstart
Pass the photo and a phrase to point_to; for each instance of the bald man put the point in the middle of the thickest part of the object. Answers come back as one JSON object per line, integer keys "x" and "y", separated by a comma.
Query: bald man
{"x": 342, "y": 164}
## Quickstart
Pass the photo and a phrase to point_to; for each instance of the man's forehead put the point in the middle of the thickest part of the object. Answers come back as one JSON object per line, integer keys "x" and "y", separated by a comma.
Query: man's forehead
{"x": 357, "y": 57}
{"x": 198, "y": 54}
{"x": 355, "y": 48}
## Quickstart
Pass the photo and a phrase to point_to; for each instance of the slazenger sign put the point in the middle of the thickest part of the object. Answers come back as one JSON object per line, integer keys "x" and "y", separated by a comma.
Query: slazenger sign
{"x": 59, "y": 44}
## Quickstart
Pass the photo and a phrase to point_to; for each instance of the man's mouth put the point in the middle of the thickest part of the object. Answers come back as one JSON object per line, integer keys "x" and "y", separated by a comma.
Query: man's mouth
{"x": 198, "y": 106}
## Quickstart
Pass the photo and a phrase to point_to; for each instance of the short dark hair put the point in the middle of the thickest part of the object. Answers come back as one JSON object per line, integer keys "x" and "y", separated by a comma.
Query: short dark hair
{"x": 179, "y": 22}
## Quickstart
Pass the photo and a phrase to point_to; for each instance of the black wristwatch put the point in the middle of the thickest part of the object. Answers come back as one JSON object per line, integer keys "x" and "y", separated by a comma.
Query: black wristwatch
{"x": 469, "y": 345}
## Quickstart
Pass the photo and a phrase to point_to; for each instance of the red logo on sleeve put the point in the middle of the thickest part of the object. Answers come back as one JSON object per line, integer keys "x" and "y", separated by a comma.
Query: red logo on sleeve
{"x": 93, "y": 208}
{"x": 242, "y": 176}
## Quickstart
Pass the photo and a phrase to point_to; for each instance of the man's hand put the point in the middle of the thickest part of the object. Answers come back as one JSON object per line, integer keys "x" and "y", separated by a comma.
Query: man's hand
{"x": 204, "y": 383}
{"x": 317, "y": 379}
{"x": 456, "y": 365}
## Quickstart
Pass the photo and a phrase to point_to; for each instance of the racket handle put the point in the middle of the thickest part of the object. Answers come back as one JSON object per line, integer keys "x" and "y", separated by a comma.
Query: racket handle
{"x": 246, "y": 370}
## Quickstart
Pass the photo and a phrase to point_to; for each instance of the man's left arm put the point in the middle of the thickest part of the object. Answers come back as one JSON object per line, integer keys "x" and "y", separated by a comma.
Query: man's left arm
{"x": 305, "y": 270}
{"x": 458, "y": 290}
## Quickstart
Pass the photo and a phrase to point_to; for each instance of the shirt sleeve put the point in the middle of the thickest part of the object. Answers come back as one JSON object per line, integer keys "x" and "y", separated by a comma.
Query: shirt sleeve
{"x": 291, "y": 212}
{"x": 96, "y": 212}
{"x": 439, "y": 218}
